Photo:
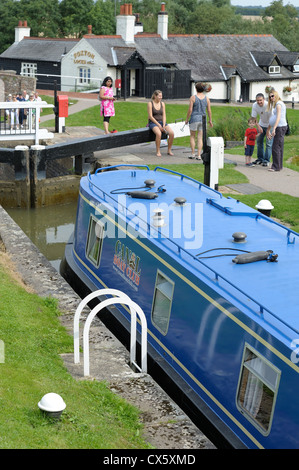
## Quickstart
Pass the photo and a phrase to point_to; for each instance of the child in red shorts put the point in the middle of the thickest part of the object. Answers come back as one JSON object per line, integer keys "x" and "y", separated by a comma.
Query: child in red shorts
{"x": 249, "y": 140}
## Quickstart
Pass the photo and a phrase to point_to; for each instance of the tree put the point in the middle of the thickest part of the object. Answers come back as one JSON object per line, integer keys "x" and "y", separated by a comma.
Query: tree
{"x": 148, "y": 10}
{"x": 75, "y": 16}
{"x": 286, "y": 30}
{"x": 8, "y": 21}
{"x": 221, "y": 3}
{"x": 42, "y": 16}
{"x": 207, "y": 18}
{"x": 180, "y": 14}
{"x": 284, "y": 24}
{"x": 103, "y": 17}
{"x": 277, "y": 8}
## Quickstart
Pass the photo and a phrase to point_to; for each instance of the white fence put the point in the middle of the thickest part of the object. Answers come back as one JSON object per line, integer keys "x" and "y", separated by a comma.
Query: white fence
{"x": 19, "y": 120}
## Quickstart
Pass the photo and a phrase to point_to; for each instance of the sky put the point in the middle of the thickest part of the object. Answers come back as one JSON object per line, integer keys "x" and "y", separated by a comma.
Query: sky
{"x": 263, "y": 3}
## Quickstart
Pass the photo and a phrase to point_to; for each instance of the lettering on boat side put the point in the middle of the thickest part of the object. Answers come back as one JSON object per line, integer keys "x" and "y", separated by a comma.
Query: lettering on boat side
{"x": 126, "y": 262}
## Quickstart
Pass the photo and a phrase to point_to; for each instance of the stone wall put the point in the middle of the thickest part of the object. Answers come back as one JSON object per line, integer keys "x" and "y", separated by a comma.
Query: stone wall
{"x": 35, "y": 270}
{"x": 26, "y": 182}
{"x": 12, "y": 83}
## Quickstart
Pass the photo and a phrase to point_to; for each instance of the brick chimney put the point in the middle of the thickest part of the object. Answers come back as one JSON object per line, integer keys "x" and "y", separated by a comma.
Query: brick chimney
{"x": 138, "y": 25}
{"x": 163, "y": 22}
{"x": 125, "y": 23}
{"x": 21, "y": 31}
{"x": 89, "y": 29}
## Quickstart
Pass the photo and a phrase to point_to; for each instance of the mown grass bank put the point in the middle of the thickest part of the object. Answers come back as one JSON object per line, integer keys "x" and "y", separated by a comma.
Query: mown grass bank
{"x": 33, "y": 339}
{"x": 229, "y": 122}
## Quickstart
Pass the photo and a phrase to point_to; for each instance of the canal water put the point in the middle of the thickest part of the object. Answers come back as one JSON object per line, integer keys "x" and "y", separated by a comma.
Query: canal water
{"x": 49, "y": 228}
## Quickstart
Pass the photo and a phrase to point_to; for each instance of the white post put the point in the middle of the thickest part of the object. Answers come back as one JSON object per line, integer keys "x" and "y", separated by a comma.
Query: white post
{"x": 216, "y": 159}
{"x": 61, "y": 125}
{"x": 37, "y": 115}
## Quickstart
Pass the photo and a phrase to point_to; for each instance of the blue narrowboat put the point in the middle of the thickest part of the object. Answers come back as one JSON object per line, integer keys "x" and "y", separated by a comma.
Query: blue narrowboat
{"x": 218, "y": 284}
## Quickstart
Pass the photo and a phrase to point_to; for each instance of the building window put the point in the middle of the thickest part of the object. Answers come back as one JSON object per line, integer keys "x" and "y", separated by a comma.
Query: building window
{"x": 257, "y": 391}
{"x": 161, "y": 308}
{"x": 28, "y": 69}
{"x": 84, "y": 75}
{"x": 94, "y": 241}
{"x": 274, "y": 69}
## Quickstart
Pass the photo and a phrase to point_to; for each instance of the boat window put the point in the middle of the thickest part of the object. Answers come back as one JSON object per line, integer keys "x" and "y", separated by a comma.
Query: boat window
{"x": 94, "y": 241}
{"x": 161, "y": 308}
{"x": 257, "y": 389}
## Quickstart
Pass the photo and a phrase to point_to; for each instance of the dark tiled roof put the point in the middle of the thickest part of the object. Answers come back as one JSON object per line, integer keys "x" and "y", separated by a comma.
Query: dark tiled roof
{"x": 124, "y": 54}
{"x": 229, "y": 70}
{"x": 104, "y": 46}
{"x": 288, "y": 58}
{"x": 209, "y": 57}
{"x": 264, "y": 59}
{"x": 206, "y": 54}
{"x": 47, "y": 49}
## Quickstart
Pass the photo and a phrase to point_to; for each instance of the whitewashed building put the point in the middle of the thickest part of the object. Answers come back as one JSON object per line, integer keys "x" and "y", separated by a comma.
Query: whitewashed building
{"x": 237, "y": 66}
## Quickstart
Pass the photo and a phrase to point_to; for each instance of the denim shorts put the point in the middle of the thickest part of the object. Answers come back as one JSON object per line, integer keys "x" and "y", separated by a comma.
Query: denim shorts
{"x": 249, "y": 150}
{"x": 195, "y": 126}
{"x": 151, "y": 124}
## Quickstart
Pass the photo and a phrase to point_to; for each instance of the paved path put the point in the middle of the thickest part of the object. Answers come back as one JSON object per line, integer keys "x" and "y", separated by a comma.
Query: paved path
{"x": 285, "y": 181}
{"x": 81, "y": 104}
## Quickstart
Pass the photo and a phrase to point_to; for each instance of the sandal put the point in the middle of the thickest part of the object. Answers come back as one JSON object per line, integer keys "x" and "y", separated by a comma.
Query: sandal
{"x": 198, "y": 158}
{"x": 192, "y": 157}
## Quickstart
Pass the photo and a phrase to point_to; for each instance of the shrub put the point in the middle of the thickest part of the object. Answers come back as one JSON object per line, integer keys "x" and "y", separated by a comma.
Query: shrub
{"x": 232, "y": 126}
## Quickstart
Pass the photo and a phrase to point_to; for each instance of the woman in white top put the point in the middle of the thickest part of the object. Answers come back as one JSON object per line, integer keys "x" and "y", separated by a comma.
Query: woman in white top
{"x": 277, "y": 129}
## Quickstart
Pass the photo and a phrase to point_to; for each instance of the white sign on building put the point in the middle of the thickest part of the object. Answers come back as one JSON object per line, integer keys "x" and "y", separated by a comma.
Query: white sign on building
{"x": 82, "y": 68}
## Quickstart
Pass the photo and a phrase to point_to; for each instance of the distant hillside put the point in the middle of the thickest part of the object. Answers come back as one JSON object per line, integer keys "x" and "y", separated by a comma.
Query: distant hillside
{"x": 254, "y": 10}
{"x": 250, "y": 10}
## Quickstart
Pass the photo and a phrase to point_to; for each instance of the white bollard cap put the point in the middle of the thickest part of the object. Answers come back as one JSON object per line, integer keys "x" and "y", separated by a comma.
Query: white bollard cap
{"x": 265, "y": 205}
{"x": 52, "y": 402}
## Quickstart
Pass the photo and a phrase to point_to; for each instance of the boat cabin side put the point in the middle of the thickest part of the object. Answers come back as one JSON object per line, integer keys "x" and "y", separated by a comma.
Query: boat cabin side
{"x": 223, "y": 351}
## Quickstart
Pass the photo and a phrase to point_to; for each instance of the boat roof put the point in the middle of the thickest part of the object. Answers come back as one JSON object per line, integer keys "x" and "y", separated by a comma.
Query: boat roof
{"x": 204, "y": 229}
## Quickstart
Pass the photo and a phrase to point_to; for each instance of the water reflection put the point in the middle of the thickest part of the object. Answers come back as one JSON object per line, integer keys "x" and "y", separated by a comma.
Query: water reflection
{"x": 49, "y": 228}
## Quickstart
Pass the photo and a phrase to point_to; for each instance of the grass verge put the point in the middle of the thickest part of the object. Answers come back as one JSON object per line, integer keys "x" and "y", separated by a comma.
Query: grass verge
{"x": 285, "y": 207}
{"x": 33, "y": 338}
{"x": 230, "y": 121}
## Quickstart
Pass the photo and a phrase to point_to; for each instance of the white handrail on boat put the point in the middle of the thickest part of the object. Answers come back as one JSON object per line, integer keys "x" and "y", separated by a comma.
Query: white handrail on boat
{"x": 121, "y": 298}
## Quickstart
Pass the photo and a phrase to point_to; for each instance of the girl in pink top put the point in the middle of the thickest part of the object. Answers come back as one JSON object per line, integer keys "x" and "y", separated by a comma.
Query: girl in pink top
{"x": 107, "y": 102}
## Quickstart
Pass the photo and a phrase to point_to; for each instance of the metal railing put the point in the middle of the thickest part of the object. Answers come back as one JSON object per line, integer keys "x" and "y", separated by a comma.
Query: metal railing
{"x": 71, "y": 82}
{"x": 19, "y": 120}
{"x": 119, "y": 297}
